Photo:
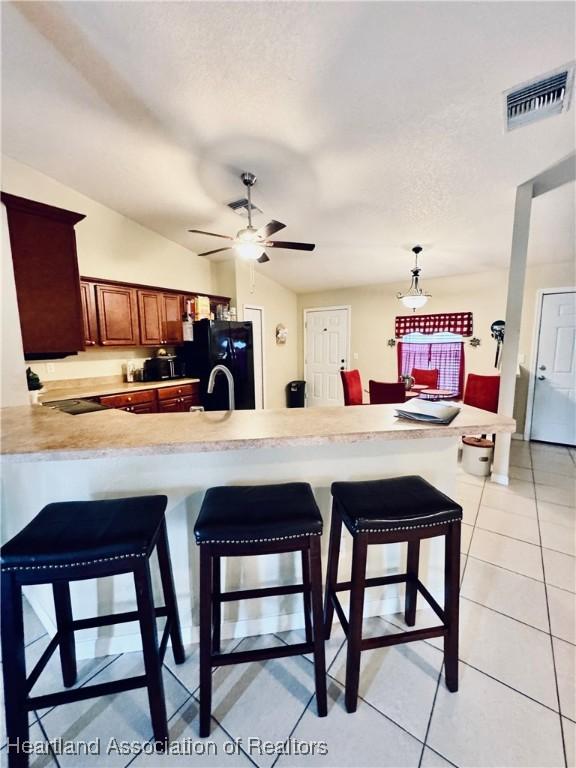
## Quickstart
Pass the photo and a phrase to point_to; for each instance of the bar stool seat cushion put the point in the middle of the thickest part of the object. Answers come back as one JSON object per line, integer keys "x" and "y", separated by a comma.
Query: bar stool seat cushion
{"x": 73, "y": 533}
{"x": 241, "y": 514}
{"x": 397, "y": 504}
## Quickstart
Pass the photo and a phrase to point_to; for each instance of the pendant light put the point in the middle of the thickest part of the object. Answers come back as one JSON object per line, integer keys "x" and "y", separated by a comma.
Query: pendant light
{"x": 415, "y": 297}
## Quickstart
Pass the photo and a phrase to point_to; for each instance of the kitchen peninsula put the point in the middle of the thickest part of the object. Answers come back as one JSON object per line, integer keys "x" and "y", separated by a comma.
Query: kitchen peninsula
{"x": 50, "y": 456}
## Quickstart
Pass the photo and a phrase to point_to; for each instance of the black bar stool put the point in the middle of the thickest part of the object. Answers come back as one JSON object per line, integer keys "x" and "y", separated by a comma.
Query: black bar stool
{"x": 384, "y": 512}
{"x": 240, "y": 521}
{"x": 76, "y": 540}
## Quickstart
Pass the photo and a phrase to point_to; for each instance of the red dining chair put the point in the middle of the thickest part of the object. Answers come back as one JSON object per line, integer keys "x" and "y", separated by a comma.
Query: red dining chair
{"x": 352, "y": 384}
{"x": 482, "y": 392}
{"x": 381, "y": 392}
{"x": 429, "y": 377}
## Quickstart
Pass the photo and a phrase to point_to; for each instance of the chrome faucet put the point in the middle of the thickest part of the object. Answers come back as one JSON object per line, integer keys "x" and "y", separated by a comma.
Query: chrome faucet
{"x": 213, "y": 373}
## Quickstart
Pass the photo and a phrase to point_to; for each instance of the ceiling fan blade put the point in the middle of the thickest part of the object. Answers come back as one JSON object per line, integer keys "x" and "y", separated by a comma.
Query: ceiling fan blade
{"x": 289, "y": 245}
{"x": 218, "y": 250}
{"x": 212, "y": 234}
{"x": 270, "y": 229}
{"x": 263, "y": 259}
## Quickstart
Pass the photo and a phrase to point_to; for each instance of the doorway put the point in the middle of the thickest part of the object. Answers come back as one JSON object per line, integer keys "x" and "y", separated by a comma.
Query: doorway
{"x": 326, "y": 353}
{"x": 552, "y": 399}
{"x": 255, "y": 315}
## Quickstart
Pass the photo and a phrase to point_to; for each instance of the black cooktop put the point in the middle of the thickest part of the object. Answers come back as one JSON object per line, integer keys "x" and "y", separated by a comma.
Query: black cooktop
{"x": 76, "y": 407}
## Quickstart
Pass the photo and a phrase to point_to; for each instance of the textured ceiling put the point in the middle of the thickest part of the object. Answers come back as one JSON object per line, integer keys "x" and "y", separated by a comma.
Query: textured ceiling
{"x": 371, "y": 126}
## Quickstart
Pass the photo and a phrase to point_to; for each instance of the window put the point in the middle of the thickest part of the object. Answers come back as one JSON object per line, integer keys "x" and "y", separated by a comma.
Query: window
{"x": 444, "y": 351}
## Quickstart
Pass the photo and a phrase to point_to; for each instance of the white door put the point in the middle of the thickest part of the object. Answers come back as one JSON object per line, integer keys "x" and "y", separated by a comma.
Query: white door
{"x": 326, "y": 353}
{"x": 255, "y": 316}
{"x": 554, "y": 411}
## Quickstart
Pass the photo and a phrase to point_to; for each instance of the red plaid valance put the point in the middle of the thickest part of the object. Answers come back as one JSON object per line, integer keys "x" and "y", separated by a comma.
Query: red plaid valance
{"x": 453, "y": 322}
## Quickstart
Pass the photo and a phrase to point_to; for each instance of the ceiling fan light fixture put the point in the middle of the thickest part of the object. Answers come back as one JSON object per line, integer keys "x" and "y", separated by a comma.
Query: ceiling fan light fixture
{"x": 415, "y": 297}
{"x": 250, "y": 251}
{"x": 247, "y": 235}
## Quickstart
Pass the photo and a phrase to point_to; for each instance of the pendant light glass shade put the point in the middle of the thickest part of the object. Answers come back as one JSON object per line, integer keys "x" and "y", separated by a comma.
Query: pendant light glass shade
{"x": 415, "y": 297}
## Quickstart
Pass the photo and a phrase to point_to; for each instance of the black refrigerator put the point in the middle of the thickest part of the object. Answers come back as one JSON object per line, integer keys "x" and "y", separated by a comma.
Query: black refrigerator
{"x": 219, "y": 342}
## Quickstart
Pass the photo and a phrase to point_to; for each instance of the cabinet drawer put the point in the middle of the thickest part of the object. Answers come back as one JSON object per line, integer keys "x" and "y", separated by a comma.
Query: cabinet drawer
{"x": 122, "y": 401}
{"x": 181, "y": 390}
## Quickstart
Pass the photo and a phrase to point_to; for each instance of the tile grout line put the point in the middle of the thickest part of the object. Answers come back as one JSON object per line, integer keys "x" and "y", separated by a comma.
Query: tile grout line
{"x": 50, "y": 747}
{"x": 550, "y": 632}
{"x": 473, "y": 532}
{"x": 425, "y": 740}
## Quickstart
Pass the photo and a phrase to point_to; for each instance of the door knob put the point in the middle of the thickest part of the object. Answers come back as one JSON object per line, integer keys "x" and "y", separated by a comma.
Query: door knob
{"x": 541, "y": 378}
{"x": 542, "y": 367}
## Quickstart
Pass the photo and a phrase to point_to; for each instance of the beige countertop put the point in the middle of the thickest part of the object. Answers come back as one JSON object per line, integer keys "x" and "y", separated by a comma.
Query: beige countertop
{"x": 38, "y": 433}
{"x": 97, "y": 388}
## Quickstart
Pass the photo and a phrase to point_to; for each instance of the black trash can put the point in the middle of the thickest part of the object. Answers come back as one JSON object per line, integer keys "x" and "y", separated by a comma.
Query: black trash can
{"x": 295, "y": 394}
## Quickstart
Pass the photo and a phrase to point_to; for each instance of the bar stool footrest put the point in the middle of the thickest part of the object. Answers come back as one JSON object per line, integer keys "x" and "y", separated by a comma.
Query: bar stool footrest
{"x": 260, "y": 654}
{"x": 97, "y": 621}
{"x": 249, "y": 594}
{"x": 381, "y": 581}
{"x": 86, "y": 692}
{"x": 382, "y": 641}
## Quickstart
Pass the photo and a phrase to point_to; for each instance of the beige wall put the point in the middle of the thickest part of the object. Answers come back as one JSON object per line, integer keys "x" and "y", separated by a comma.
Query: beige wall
{"x": 109, "y": 246}
{"x": 375, "y": 307}
{"x": 280, "y": 305}
{"x": 13, "y": 387}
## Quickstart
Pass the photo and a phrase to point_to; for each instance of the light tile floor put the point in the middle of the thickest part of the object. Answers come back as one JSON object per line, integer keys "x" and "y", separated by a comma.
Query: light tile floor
{"x": 517, "y": 700}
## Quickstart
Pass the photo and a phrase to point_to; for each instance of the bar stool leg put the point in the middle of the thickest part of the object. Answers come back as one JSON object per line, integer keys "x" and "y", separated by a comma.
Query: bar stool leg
{"x": 216, "y": 604}
{"x": 332, "y": 570}
{"x": 205, "y": 632}
{"x": 169, "y": 591}
{"x": 451, "y": 604}
{"x": 152, "y": 665}
{"x": 315, "y": 569}
{"x": 306, "y": 594}
{"x": 63, "y": 610}
{"x": 359, "y": 554}
{"x": 412, "y": 562}
{"x": 14, "y": 669}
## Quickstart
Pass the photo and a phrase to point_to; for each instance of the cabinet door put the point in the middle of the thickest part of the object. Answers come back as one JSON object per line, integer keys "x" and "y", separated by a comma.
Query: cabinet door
{"x": 170, "y": 406}
{"x": 172, "y": 311}
{"x": 90, "y": 321}
{"x": 117, "y": 309}
{"x": 150, "y": 310}
{"x": 188, "y": 402}
{"x": 150, "y": 407}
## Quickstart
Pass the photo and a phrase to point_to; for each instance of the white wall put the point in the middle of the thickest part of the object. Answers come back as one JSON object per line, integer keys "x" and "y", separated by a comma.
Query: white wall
{"x": 109, "y": 246}
{"x": 13, "y": 388}
{"x": 375, "y": 307}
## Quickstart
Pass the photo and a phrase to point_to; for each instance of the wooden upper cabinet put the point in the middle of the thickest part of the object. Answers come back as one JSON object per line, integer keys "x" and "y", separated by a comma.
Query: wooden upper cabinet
{"x": 160, "y": 317}
{"x": 89, "y": 317}
{"x": 43, "y": 245}
{"x": 173, "y": 309}
{"x": 150, "y": 312}
{"x": 117, "y": 309}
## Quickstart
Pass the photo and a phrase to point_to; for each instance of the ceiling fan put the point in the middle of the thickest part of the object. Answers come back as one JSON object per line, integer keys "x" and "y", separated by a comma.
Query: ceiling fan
{"x": 251, "y": 243}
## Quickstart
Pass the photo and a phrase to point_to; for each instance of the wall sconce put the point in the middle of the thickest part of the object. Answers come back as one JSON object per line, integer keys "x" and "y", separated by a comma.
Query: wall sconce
{"x": 391, "y": 342}
{"x": 281, "y": 334}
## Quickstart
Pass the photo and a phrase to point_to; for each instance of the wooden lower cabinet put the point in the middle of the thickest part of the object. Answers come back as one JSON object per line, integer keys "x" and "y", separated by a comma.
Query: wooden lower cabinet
{"x": 173, "y": 399}
{"x": 143, "y": 401}
{"x": 178, "y": 399}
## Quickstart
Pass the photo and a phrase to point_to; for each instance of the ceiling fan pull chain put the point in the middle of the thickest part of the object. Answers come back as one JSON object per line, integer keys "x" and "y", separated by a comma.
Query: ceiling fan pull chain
{"x": 252, "y": 277}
